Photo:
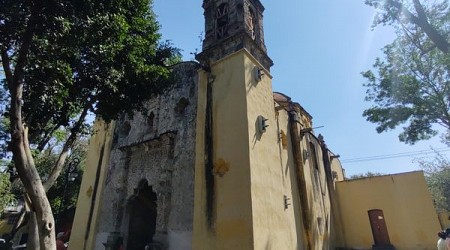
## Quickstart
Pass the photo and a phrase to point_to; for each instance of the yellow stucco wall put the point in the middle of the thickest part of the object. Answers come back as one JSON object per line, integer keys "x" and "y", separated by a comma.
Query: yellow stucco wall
{"x": 274, "y": 226}
{"x": 337, "y": 168}
{"x": 319, "y": 202}
{"x": 232, "y": 202}
{"x": 410, "y": 217}
{"x": 249, "y": 197}
{"x": 83, "y": 230}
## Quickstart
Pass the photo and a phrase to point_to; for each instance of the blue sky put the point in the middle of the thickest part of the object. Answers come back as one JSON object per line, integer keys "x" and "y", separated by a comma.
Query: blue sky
{"x": 319, "y": 49}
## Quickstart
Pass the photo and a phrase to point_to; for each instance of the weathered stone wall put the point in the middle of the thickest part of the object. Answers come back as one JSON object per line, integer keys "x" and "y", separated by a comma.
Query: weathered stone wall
{"x": 244, "y": 29}
{"x": 157, "y": 146}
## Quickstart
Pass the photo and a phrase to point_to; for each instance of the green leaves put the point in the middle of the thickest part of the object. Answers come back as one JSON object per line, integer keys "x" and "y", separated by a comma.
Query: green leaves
{"x": 71, "y": 58}
{"x": 411, "y": 85}
{"x": 105, "y": 55}
{"x": 6, "y": 197}
{"x": 365, "y": 175}
{"x": 437, "y": 175}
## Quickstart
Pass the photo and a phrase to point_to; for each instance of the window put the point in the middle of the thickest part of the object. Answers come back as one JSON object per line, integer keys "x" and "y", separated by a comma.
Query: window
{"x": 222, "y": 21}
{"x": 150, "y": 122}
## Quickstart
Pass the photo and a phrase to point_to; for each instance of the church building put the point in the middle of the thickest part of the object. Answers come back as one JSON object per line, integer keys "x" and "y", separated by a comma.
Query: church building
{"x": 219, "y": 161}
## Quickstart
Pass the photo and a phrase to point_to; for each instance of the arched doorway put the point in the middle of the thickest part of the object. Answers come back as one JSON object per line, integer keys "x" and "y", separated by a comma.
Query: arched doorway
{"x": 142, "y": 216}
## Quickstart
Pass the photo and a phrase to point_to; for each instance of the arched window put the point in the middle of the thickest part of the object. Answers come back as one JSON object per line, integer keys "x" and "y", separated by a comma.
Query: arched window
{"x": 222, "y": 21}
{"x": 150, "y": 122}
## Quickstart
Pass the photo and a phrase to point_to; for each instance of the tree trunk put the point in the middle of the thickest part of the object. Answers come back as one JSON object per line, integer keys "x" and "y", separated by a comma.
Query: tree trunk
{"x": 33, "y": 234}
{"x": 20, "y": 147}
{"x": 23, "y": 160}
{"x": 28, "y": 174}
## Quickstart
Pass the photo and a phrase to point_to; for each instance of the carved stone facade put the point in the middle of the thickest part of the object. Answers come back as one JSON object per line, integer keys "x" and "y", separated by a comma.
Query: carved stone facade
{"x": 155, "y": 149}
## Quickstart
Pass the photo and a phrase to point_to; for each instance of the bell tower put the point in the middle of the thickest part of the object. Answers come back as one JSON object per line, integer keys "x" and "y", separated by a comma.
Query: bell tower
{"x": 231, "y": 25}
{"x": 235, "y": 157}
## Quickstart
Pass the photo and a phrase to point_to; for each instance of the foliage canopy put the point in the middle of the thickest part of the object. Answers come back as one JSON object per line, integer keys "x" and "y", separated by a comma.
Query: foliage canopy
{"x": 6, "y": 197}
{"x": 411, "y": 85}
{"x": 437, "y": 175}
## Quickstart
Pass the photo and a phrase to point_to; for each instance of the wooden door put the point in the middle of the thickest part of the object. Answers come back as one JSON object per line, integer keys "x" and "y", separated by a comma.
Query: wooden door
{"x": 379, "y": 228}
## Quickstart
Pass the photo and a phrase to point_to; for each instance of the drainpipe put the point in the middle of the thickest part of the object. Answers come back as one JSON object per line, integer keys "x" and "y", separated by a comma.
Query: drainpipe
{"x": 301, "y": 183}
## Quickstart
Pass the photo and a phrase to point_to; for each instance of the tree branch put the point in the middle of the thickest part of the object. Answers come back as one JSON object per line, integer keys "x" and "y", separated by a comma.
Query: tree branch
{"x": 421, "y": 21}
{"x": 67, "y": 146}
{"x": 420, "y": 10}
{"x": 23, "y": 52}
{"x": 47, "y": 136}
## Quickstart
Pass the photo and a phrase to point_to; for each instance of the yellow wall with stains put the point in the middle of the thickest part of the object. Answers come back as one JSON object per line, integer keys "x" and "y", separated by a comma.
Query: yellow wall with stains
{"x": 274, "y": 225}
{"x": 84, "y": 229}
{"x": 232, "y": 201}
{"x": 249, "y": 211}
{"x": 410, "y": 217}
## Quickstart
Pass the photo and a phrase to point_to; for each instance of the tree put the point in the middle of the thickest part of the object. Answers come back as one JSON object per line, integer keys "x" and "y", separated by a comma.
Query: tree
{"x": 411, "y": 85}
{"x": 64, "y": 193}
{"x": 6, "y": 197}
{"x": 437, "y": 175}
{"x": 4, "y": 128}
{"x": 365, "y": 175}
{"x": 64, "y": 59}
{"x": 430, "y": 17}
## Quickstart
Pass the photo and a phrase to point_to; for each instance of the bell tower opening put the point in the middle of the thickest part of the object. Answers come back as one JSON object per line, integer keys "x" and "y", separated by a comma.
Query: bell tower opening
{"x": 222, "y": 21}
{"x": 142, "y": 216}
{"x": 231, "y": 25}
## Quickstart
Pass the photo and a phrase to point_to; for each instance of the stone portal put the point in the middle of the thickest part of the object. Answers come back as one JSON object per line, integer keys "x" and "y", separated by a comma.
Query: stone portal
{"x": 142, "y": 216}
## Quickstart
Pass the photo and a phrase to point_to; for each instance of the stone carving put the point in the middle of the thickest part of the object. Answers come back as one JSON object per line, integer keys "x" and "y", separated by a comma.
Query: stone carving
{"x": 159, "y": 148}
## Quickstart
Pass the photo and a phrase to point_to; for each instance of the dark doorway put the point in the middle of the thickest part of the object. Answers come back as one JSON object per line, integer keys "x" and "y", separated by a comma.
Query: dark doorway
{"x": 379, "y": 228}
{"x": 142, "y": 217}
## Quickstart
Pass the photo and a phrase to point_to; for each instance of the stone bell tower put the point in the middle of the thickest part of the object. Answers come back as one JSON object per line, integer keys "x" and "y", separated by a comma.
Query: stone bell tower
{"x": 231, "y": 25}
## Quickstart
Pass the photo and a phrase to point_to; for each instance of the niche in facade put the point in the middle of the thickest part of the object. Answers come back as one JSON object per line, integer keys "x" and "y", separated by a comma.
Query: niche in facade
{"x": 125, "y": 129}
{"x": 151, "y": 122}
{"x": 181, "y": 105}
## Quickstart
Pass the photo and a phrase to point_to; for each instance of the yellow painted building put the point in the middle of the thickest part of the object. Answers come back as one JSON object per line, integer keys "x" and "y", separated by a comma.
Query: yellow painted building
{"x": 403, "y": 209}
{"x": 92, "y": 187}
{"x": 219, "y": 161}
